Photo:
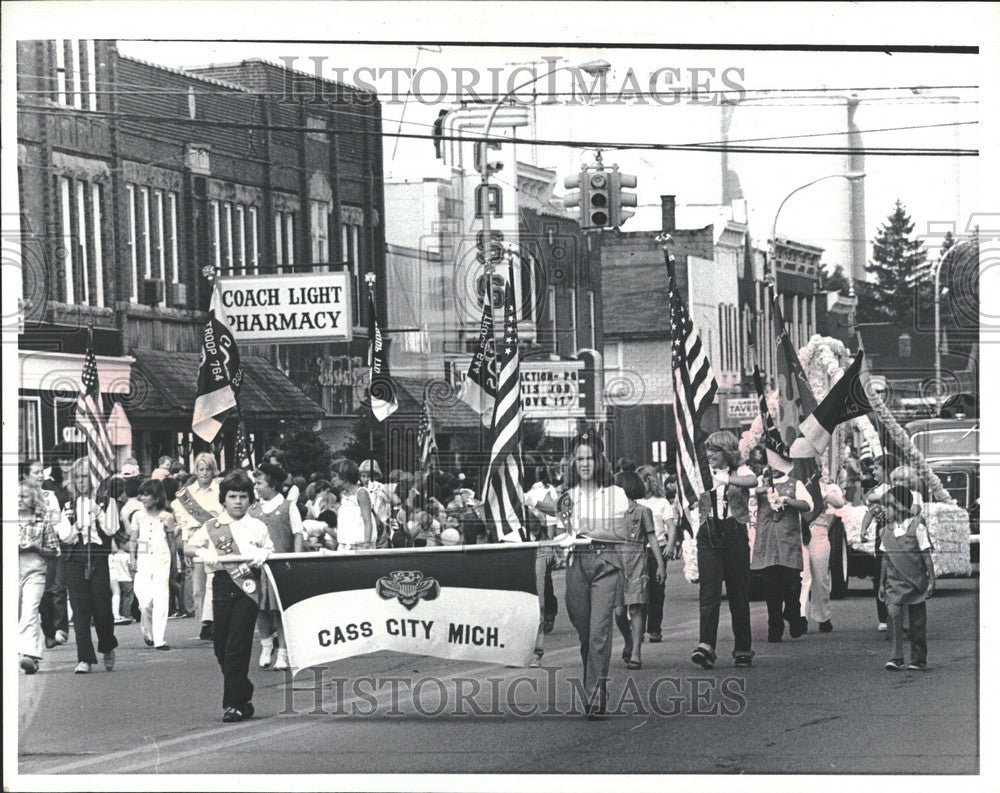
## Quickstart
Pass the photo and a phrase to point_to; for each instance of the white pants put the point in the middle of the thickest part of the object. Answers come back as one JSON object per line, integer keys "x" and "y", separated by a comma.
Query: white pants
{"x": 32, "y": 587}
{"x": 202, "y": 589}
{"x": 152, "y": 591}
{"x": 815, "y": 598}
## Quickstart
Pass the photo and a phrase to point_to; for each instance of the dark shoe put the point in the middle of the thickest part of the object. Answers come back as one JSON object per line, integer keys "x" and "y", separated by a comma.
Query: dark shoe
{"x": 29, "y": 664}
{"x": 655, "y": 638}
{"x": 50, "y": 642}
{"x": 917, "y": 666}
{"x": 774, "y": 638}
{"x": 232, "y": 715}
{"x": 744, "y": 660}
{"x": 630, "y": 664}
{"x": 109, "y": 660}
{"x": 799, "y": 628}
{"x": 894, "y": 664}
{"x": 247, "y": 710}
{"x": 149, "y": 642}
{"x": 207, "y": 632}
{"x": 548, "y": 624}
{"x": 163, "y": 647}
{"x": 703, "y": 658}
{"x": 826, "y": 627}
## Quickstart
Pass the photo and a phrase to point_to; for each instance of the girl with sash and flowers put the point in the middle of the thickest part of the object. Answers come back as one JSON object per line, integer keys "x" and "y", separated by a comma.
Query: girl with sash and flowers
{"x": 195, "y": 505}
{"x": 236, "y": 587}
{"x": 284, "y": 525}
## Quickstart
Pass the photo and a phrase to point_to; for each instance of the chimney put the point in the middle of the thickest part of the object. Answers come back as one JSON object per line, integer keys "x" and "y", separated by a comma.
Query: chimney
{"x": 668, "y": 209}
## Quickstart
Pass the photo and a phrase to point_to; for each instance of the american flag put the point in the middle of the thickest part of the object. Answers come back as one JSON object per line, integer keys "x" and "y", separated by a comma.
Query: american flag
{"x": 244, "y": 459}
{"x": 90, "y": 418}
{"x": 694, "y": 389}
{"x": 426, "y": 438}
{"x": 504, "y": 491}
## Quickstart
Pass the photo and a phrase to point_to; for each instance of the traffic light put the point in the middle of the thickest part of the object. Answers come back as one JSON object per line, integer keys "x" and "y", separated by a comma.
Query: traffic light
{"x": 578, "y": 196}
{"x": 598, "y": 195}
{"x": 598, "y": 205}
{"x": 620, "y": 199}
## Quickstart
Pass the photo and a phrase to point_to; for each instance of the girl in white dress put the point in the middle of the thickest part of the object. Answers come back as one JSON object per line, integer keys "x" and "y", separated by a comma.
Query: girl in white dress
{"x": 355, "y": 521}
{"x": 153, "y": 537}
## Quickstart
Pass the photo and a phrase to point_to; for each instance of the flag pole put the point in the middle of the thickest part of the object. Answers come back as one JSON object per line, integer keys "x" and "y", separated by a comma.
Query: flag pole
{"x": 92, "y": 473}
{"x": 370, "y": 279}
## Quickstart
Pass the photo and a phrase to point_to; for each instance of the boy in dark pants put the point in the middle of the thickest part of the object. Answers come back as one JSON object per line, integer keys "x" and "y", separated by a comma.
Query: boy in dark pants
{"x": 907, "y": 577}
{"x": 236, "y": 588}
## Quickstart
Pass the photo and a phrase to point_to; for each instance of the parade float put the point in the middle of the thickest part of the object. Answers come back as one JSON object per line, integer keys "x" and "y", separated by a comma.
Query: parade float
{"x": 824, "y": 360}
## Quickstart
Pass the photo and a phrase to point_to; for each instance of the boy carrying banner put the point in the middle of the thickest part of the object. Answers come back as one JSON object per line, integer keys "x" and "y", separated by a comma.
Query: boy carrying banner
{"x": 236, "y": 588}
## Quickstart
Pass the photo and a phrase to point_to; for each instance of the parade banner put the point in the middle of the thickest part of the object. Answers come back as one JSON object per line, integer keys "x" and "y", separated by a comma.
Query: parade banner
{"x": 476, "y": 604}
{"x": 288, "y": 308}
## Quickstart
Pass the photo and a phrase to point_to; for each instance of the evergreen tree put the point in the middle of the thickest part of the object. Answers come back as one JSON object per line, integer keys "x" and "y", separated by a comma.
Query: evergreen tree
{"x": 305, "y": 452}
{"x": 837, "y": 281}
{"x": 903, "y": 285}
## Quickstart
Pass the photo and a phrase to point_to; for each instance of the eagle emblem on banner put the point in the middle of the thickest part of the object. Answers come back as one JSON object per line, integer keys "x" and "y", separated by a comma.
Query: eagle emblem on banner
{"x": 408, "y": 587}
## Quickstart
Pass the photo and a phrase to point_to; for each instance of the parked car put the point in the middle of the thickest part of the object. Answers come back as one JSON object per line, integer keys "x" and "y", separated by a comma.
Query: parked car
{"x": 951, "y": 448}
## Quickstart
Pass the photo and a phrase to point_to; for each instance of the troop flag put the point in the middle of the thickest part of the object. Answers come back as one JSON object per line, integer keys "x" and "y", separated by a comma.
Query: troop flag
{"x": 694, "y": 389}
{"x": 220, "y": 375}
{"x": 381, "y": 390}
{"x": 504, "y": 491}
{"x": 480, "y": 387}
{"x": 795, "y": 402}
{"x": 90, "y": 419}
{"x": 846, "y": 400}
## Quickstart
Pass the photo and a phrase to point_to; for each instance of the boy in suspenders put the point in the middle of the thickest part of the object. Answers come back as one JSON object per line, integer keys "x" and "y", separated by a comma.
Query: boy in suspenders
{"x": 236, "y": 588}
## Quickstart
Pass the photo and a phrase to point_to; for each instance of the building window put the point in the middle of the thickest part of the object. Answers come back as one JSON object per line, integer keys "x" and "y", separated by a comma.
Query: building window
{"x": 153, "y": 245}
{"x": 76, "y": 74}
{"x": 553, "y": 327}
{"x": 132, "y": 243}
{"x": 81, "y": 222}
{"x": 254, "y": 252}
{"x": 350, "y": 240}
{"x": 572, "y": 319}
{"x": 240, "y": 240}
{"x": 592, "y": 311}
{"x": 30, "y": 422}
{"x": 284, "y": 239}
{"x": 319, "y": 230}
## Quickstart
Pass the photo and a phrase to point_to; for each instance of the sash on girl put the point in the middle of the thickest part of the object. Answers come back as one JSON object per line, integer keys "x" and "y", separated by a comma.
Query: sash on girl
{"x": 221, "y": 537}
{"x": 193, "y": 508}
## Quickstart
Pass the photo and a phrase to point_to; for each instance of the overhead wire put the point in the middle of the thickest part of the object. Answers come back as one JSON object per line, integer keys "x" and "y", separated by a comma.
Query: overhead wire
{"x": 565, "y": 143}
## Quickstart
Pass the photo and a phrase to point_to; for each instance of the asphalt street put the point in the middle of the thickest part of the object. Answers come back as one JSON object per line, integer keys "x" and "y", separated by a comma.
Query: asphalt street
{"x": 819, "y": 704}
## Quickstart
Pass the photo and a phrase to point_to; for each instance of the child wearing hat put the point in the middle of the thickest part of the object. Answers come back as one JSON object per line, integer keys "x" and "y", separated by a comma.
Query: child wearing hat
{"x": 907, "y": 577}
{"x": 777, "y": 548}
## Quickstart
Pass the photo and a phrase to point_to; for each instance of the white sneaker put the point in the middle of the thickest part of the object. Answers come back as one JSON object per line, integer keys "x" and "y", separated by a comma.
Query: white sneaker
{"x": 266, "y": 650}
{"x": 61, "y": 637}
{"x": 281, "y": 662}
{"x": 82, "y": 668}
{"x": 883, "y": 627}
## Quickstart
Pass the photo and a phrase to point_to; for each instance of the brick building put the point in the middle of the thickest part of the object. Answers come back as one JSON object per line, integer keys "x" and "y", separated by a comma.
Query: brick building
{"x": 142, "y": 175}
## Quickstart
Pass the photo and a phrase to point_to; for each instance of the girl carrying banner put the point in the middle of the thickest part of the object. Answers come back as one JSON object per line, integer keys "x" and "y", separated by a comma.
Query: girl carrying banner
{"x": 284, "y": 525}
{"x": 236, "y": 588}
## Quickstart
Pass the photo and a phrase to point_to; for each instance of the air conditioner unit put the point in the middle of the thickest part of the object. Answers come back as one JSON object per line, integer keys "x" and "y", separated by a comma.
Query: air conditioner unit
{"x": 152, "y": 291}
{"x": 177, "y": 295}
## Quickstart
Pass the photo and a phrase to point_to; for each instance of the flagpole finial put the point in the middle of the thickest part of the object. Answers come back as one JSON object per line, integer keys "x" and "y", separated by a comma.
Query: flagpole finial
{"x": 208, "y": 272}
{"x": 370, "y": 280}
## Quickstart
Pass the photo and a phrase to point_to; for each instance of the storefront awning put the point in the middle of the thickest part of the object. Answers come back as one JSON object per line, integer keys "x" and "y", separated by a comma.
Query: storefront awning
{"x": 164, "y": 387}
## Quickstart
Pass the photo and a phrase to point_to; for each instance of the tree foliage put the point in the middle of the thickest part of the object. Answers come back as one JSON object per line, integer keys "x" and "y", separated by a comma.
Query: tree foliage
{"x": 305, "y": 452}
{"x": 902, "y": 289}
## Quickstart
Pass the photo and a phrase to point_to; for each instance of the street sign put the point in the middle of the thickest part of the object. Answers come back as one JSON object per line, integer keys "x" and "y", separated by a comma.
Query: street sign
{"x": 288, "y": 308}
